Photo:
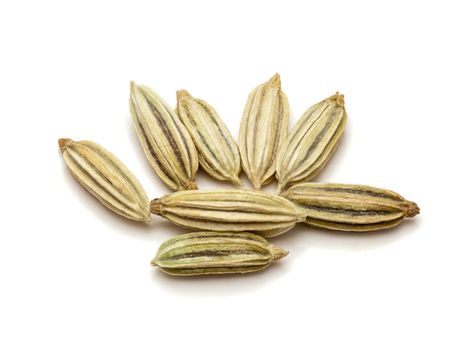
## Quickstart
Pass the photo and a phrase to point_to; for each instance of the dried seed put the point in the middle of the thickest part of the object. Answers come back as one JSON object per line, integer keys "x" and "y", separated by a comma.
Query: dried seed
{"x": 263, "y": 131}
{"x": 311, "y": 142}
{"x": 350, "y": 207}
{"x": 203, "y": 253}
{"x": 217, "y": 151}
{"x": 165, "y": 141}
{"x": 106, "y": 178}
{"x": 229, "y": 210}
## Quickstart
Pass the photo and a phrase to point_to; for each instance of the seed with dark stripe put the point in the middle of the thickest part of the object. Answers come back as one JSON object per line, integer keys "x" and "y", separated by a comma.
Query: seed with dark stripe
{"x": 165, "y": 141}
{"x": 229, "y": 210}
{"x": 203, "y": 253}
{"x": 311, "y": 142}
{"x": 106, "y": 178}
{"x": 350, "y": 207}
{"x": 218, "y": 152}
{"x": 263, "y": 131}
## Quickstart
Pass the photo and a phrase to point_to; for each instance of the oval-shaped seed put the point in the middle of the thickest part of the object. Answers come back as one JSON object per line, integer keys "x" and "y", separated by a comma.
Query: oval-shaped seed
{"x": 263, "y": 131}
{"x": 311, "y": 142}
{"x": 165, "y": 141}
{"x": 217, "y": 151}
{"x": 106, "y": 178}
{"x": 350, "y": 207}
{"x": 229, "y": 210}
{"x": 205, "y": 253}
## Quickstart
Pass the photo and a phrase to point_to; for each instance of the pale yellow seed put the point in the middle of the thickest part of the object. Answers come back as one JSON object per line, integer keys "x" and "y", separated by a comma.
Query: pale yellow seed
{"x": 204, "y": 253}
{"x": 165, "y": 140}
{"x": 217, "y": 150}
{"x": 106, "y": 178}
{"x": 263, "y": 131}
{"x": 311, "y": 142}
{"x": 229, "y": 210}
{"x": 350, "y": 207}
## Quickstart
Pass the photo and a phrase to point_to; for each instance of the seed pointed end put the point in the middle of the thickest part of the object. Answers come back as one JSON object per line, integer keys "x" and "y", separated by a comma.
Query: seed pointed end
{"x": 281, "y": 187}
{"x": 63, "y": 144}
{"x": 191, "y": 186}
{"x": 155, "y": 262}
{"x": 411, "y": 209}
{"x": 256, "y": 184}
{"x": 156, "y": 206}
{"x": 236, "y": 181}
{"x": 275, "y": 80}
{"x": 133, "y": 90}
{"x": 301, "y": 214}
{"x": 147, "y": 219}
{"x": 338, "y": 99}
{"x": 278, "y": 253}
{"x": 182, "y": 94}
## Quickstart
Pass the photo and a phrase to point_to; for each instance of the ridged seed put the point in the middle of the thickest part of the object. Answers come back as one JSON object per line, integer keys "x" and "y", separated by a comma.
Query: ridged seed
{"x": 217, "y": 150}
{"x": 106, "y": 178}
{"x": 204, "y": 253}
{"x": 229, "y": 210}
{"x": 165, "y": 141}
{"x": 350, "y": 207}
{"x": 311, "y": 142}
{"x": 263, "y": 131}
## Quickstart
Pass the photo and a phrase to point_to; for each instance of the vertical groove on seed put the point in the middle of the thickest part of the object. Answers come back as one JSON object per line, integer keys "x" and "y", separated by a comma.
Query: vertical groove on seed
{"x": 165, "y": 141}
{"x": 203, "y": 253}
{"x": 218, "y": 152}
{"x": 263, "y": 130}
{"x": 311, "y": 142}
{"x": 350, "y": 207}
{"x": 106, "y": 178}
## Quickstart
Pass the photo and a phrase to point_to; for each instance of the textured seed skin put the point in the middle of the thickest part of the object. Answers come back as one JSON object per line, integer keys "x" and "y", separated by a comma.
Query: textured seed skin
{"x": 165, "y": 141}
{"x": 217, "y": 151}
{"x": 263, "y": 131}
{"x": 350, "y": 207}
{"x": 205, "y": 253}
{"x": 311, "y": 142}
{"x": 106, "y": 178}
{"x": 229, "y": 210}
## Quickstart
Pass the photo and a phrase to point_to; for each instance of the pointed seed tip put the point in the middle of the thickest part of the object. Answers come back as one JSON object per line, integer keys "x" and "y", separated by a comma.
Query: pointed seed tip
{"x": 156, "y": 206}
{"x": 192, "y": 186}
{"x": 280, "y": 187}
{"x": 338, "y": 99}
{"x": 275, "y": 80}
{"x": 278, "y": 253}
{"x": 133, "y": 87}
{"x": 237, "y": 181}
{"x": 301, "y": 214}
{"x": 183, "y": 94}
{"x": 63, "y": 143}
{"x": 256, "y": 185}
{"x": 411, "y": 209}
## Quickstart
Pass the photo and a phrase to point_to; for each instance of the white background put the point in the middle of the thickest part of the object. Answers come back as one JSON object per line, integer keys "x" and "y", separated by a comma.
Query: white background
{"x": 76, "y": 276}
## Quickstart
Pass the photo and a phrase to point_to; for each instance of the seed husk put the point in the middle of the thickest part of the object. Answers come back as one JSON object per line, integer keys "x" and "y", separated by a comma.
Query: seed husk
{"x": 205, "y": 253}
{"x": 106, "y": 178}
{"x": 229, "y": 210}
{"x": 311, "y": 142}
{"x": 263, "y": 131}
{"x": 350, "y": 207}
{"x": 217, "y": 151}
{"x": 165, "y": 141}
